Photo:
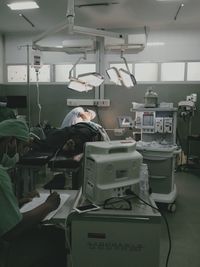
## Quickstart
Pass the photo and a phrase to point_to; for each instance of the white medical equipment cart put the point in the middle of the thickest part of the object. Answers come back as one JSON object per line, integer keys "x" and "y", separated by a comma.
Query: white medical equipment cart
{"x": 158, "y": 148}
{"x": 106, "y": 238}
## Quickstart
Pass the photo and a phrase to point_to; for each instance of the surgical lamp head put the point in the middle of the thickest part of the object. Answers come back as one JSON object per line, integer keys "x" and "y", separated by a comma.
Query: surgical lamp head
{"x": 84, "y": 82}
{"x": 79, "y": 86}
{"x": 121, "y": 77}
{"x": 128, "y": 79}
{"x": 94, "y": 79}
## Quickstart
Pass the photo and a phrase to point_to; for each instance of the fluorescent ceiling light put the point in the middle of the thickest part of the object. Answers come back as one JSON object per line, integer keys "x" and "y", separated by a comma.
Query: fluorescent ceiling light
{"x": 23, "y": 5}
{"x": 79, "y": 86}
{"x": 127, "y": 78}
{"x": 94, "y": 79}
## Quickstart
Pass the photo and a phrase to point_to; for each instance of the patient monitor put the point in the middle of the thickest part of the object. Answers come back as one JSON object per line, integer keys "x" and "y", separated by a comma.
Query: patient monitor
{"x": 110, "y": 168}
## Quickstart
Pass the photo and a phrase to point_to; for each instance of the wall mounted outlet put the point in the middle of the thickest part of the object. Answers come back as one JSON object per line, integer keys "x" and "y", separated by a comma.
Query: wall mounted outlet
{"x": 88, "y": 102}
{"x": 102, "y": 102}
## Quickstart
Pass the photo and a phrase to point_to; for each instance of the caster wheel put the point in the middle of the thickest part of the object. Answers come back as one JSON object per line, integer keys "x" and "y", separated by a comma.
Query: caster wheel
{"x": 171, "y": 207}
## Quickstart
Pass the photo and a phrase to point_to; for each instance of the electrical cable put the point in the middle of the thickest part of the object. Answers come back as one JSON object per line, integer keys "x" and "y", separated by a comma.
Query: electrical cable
{"x": 130, "y": 192}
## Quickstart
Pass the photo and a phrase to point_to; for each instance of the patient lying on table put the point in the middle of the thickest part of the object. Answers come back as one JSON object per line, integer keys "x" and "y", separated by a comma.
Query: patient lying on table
{"x": 70, "y": 140}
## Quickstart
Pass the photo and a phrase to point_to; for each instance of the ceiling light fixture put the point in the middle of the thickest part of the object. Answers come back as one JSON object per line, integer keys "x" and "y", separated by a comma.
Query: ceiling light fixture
{"x": 93, "y": 78}
{"x": 128, "y": 79}
{"x": 23, "y": 5}
{"x": 84, "y": 82}
{"x": 114, "y": 76}
{"x": 79, "y": 86}
{"x": 121, "y": 76}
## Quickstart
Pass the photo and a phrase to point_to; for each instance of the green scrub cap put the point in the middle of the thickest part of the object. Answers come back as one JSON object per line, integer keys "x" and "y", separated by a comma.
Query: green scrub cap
{"x": 15, "y": 128}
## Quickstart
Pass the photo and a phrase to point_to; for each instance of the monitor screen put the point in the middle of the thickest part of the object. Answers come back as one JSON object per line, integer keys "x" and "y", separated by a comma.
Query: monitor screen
{"x": 16, "y": 101}
{"x": 148, "y": 119}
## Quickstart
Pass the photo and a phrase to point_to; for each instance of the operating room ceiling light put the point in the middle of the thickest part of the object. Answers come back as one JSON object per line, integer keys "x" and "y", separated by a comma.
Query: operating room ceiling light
{"x": 127, "y": 78}
{"x": 94, "y": 79}
{"x": 79, "y": 86}
{"x": 86, "y": 81}
{"x": 114, "y": 76}
{"x": 23, "y": 5}
{"x": 121, "y": 76}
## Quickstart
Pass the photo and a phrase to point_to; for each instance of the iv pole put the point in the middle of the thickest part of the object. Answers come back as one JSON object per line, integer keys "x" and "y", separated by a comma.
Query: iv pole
{"x": 28, "y": 80}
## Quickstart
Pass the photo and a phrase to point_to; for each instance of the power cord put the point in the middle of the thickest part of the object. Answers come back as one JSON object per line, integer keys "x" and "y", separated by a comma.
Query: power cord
{"x": 130, "y": 192}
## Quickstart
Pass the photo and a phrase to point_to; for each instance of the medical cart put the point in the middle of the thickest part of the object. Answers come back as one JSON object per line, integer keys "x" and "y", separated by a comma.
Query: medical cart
{"x": 158, "y": 148}
{"x": 106, "y": 238}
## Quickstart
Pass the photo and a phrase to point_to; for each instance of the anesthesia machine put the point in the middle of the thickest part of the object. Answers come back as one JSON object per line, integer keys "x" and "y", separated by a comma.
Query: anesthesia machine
{"x": 158, "y": 148}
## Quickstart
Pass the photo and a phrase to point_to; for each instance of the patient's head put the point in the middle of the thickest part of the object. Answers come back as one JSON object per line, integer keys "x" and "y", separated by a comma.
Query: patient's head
{"x": 88, "y": 115}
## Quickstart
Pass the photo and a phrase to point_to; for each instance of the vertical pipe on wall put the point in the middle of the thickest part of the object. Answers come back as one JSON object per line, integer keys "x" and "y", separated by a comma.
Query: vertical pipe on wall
{"x": 4, "y": 58}
{"x": 28, "y": 84}
{"x": 100, "y": 59}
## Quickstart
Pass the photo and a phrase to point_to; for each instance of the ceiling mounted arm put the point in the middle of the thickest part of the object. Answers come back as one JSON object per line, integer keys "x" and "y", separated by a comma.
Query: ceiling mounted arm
{"x": 73, "y": 29}
{"x": 56, "y": 29}
{"x": 122, "y": 57}
{"x": 98, "y": 33}
{"x": 70, "y": 15}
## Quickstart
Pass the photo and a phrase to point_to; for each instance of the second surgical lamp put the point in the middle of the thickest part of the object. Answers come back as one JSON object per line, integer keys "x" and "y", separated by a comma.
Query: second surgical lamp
{"x": 84, "y": 82}
{"x": 121, "y": 76}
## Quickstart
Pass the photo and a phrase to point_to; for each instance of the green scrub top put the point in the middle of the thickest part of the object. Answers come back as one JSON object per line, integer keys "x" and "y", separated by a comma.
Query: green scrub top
{"x": 6, "y": 113}
{"x": 9, "y": 210}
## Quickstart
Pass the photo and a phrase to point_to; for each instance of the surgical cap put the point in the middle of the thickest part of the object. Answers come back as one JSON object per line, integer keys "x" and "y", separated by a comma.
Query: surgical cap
{"x": 14, "y": 128}
{"x": 93, "y": 113}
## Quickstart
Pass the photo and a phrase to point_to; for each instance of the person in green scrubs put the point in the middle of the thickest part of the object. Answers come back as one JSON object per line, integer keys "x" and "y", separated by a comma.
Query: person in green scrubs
{"x": 24, "y": 241}
{"x": 6, "y": 113}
